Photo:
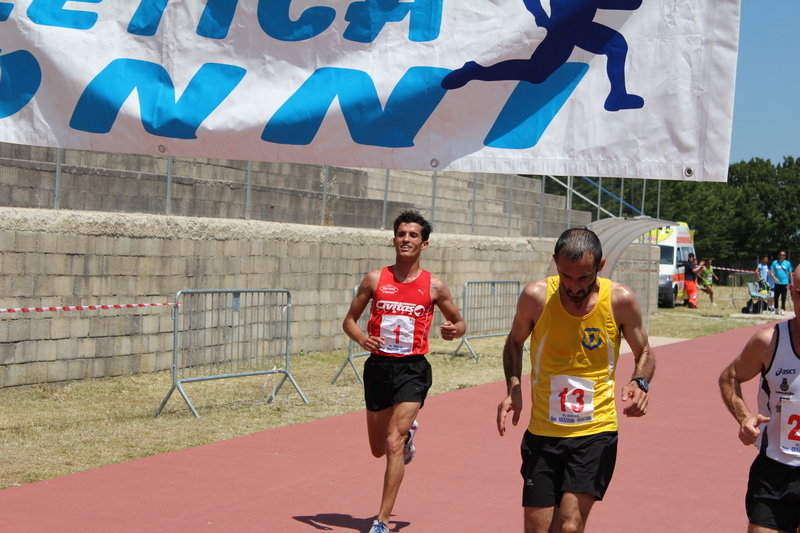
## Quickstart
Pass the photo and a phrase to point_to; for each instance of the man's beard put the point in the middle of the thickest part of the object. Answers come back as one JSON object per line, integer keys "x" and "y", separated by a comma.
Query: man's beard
{"x": 580, "y": 297}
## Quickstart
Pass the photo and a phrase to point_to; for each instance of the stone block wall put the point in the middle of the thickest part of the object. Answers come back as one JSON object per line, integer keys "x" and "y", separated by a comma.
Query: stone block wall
{"x": 68, "y": 258}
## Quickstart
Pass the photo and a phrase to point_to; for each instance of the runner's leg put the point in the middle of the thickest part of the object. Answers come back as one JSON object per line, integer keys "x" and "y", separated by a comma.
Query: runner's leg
{"x": 540, "y": 519}
{"x": 377, "y": 429}
{"x": 574, "y": 511}
{"x": 403, "y": 415}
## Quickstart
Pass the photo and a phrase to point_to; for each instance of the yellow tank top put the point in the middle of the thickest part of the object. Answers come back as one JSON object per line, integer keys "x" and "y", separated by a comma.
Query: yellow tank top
{"x": 573, "y": 359}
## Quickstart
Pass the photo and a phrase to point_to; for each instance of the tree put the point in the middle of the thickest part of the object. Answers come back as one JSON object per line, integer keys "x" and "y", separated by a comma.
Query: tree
{"x": 756, "y": 212}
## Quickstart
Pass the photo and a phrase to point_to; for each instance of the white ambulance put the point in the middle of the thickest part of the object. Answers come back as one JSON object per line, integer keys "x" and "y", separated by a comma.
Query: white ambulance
{"x": 676, "y": 243}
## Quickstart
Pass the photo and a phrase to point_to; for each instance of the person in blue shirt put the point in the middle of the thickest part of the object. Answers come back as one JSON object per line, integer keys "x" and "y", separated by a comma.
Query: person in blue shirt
{"x": 780, "y": 270}
{"x": 762, "y": 271}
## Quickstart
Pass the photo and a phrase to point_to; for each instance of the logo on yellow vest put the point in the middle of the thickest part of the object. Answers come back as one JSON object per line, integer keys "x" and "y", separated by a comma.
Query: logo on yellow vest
{"x": 591, "y": 338}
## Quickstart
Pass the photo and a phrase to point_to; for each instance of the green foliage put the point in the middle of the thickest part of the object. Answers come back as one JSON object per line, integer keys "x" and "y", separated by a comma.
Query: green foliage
{"x": 756, "y": 212}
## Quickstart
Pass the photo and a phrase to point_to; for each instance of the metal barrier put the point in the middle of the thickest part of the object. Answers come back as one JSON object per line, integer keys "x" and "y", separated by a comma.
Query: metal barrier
{"x": 743, "y": 293}
{"x": 362, "y": 323}
{"x": 488, "y": 309}
{"x": 231, "y": 333}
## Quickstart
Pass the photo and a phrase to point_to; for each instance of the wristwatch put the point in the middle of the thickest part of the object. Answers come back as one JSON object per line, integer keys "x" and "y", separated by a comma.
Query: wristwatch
{"x": 642, "y": 384}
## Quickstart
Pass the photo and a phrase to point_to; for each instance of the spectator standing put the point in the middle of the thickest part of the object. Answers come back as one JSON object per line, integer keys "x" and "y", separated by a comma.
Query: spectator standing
{"x": 762, "y": 271}
{"x": 779, "y": 271}
{"x": 690, "y": 270}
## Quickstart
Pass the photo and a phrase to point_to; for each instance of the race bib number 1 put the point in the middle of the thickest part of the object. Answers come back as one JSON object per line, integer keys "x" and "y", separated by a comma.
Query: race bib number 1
{"x": 571, "y": 400}
{"x": 398, "y": 334}
{"x": 790, "y": 426}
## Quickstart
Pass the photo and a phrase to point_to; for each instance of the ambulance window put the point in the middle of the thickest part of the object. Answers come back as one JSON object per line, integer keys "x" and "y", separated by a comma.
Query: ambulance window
{"x": 667, "y": 255}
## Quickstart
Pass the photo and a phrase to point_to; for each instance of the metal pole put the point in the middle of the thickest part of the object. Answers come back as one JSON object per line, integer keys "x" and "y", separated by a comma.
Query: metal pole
{"x": 433, "y": 199}
{"x": 569, "y": 202}
{"x": 644, "y": 189}
{"x": 649, "y": 283}
{"x": 385, "y": 199}
{"x": 658, "y": 209}
{"x": 249, "y": 189}
{"x": 474, "y": 196}
{"x": 541, "y": 208}
{"x": 510, "y": 203}
{"x": 169, "y": 184}
{"x": 324, "y": 194}
{"x": 57, "y": 191}
{"x": 599, "y": 195}
{"x": 621, "y": 195}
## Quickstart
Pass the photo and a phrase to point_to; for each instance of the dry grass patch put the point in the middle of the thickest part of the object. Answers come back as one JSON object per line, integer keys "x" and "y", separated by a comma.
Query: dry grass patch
{"x": 52, "y": 430}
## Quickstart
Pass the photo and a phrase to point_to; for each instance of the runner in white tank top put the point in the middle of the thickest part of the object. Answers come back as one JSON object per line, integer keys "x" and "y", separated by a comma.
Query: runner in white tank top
{"x": 773, "y": 489}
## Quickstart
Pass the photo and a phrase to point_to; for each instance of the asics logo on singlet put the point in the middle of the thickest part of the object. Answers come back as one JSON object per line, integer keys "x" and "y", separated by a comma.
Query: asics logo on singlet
{"x": 785, "y": 371}
{"x": 400, "y": 308}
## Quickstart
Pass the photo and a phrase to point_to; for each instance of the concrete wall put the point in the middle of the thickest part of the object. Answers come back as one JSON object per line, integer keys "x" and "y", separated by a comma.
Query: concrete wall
{"x": 66, "y": 258}
{"x": 98, "y": 181}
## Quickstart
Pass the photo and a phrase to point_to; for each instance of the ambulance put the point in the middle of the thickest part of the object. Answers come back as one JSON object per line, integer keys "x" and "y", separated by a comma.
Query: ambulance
{"x": 676, "y": 243}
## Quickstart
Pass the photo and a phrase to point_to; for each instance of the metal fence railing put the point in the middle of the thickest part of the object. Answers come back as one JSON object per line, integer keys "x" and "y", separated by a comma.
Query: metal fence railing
{"x": 456, "y": 202}
{"x": 231, "y": 333}
{"x": 488, "y": 309}
{"x": 738, "y": 284}
{"x": 352, "y": 346}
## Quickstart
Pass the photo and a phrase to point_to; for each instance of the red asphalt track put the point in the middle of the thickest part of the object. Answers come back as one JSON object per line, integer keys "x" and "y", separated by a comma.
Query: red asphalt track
{"x": 681, "y": 468}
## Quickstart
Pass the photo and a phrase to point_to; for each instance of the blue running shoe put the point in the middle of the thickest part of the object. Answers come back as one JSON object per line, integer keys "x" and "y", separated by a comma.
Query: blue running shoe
{"x": 379, "y": 527}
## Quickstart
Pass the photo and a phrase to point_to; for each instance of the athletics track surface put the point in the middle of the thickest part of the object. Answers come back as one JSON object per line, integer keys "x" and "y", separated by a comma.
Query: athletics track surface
{"x": 681, "y": 468}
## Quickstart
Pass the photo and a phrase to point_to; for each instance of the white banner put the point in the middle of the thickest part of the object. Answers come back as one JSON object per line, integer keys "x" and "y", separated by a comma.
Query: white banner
{"x": 620, "y": 88}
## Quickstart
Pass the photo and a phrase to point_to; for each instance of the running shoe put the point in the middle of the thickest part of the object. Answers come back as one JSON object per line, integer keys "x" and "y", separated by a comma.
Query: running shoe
{"x": 379, "y": 527}
{"x": 409, "y": 450}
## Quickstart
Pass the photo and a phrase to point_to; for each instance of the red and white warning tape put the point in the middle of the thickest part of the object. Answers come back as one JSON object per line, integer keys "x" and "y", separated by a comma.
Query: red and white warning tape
{"x": 736, "y": 270}
{"x": 80, "y": 308}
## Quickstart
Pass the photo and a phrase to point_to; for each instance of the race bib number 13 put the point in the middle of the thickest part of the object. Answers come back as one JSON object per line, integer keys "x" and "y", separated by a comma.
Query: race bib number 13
{"x": 571, "y": 400}
{"x": 790, "y": 426}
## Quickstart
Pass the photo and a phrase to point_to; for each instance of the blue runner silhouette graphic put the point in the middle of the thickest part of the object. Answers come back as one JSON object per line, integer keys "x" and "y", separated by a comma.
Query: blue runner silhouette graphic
{"x": 570, "y": 24}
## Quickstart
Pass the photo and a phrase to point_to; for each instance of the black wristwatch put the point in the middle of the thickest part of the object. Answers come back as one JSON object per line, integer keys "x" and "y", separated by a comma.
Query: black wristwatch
{"x": 642, "y": 384}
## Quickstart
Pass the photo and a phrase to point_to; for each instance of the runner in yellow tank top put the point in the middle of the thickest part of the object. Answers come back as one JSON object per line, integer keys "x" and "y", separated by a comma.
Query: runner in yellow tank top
{"x": 574, "y": 321}
{"x": 573, "y": 360}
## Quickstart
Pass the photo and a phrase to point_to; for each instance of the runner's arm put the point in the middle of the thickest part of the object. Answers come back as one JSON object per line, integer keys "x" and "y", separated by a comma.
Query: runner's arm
{"x": 529, "y": 309}
{"x": 750, "y": 363}
{"x": 454, "y": 327}
{"x": 350, "y": 325}
{"x": 628, "y": 315}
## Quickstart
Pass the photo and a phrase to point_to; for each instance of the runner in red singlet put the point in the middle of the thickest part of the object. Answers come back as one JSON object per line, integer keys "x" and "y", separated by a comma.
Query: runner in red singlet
{"x": 397, "y": 376}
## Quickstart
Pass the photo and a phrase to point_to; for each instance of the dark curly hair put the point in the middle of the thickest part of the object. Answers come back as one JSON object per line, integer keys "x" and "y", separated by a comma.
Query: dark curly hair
{"x": 413, "y": 216}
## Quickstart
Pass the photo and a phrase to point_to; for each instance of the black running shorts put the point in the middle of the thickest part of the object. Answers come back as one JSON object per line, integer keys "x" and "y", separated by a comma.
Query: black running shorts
{"x": 391, "y": 380}
{"x": 773, "y": 494}
{"x": 552, "y": 466}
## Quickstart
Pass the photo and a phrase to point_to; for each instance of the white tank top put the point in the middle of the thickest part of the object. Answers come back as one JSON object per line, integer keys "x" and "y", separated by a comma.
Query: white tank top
{"x": 779, "y": 399}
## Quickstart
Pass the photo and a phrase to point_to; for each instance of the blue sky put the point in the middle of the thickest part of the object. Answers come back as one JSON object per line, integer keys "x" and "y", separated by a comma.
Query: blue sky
{"x": 766, "y": 112}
